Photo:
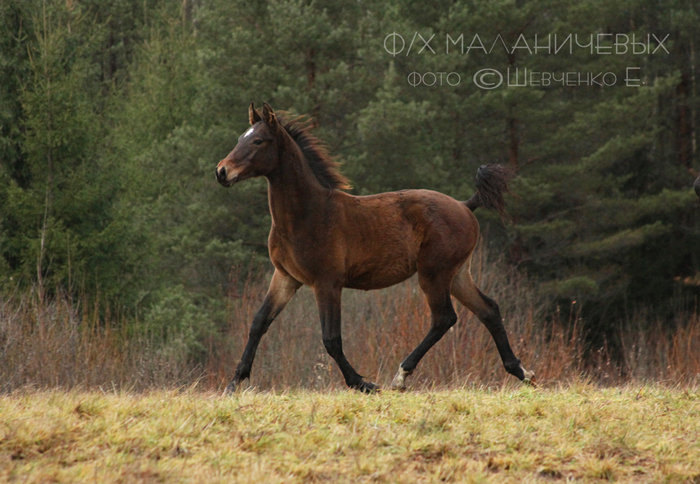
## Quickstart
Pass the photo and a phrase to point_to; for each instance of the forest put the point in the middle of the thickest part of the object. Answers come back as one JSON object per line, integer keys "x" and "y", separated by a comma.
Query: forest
{"x": 114, "y": 114}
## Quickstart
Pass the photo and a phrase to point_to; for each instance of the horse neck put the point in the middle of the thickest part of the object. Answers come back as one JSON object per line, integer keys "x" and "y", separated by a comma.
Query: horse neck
{"x": 294, "y": 192}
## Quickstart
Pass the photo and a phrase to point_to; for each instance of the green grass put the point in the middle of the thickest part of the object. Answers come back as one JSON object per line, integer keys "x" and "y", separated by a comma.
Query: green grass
{"x": 634, "y": 434}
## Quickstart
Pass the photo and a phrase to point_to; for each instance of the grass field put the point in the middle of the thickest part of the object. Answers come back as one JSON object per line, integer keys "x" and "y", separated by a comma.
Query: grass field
{"x": 515, "y": 434}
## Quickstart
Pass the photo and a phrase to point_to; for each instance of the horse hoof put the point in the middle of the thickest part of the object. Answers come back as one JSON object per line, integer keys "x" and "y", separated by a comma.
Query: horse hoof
{"x": 231, "y": 388}
{"x": 399, "y": 387}
{"x": 399, "y": 381}
{"x": 529, "y": 378}
{"x": 367, "y": 387}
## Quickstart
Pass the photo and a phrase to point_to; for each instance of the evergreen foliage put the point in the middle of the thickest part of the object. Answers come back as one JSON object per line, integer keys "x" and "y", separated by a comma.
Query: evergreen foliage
{"x": 114, "y": 113}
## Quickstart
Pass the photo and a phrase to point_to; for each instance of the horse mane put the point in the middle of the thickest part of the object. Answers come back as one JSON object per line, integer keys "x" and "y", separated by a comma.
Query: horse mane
{"x": 323, "y": 165}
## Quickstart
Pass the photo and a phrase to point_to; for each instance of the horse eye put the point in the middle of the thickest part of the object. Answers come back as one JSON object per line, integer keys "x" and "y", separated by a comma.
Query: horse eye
{"x": 257, "y": 141}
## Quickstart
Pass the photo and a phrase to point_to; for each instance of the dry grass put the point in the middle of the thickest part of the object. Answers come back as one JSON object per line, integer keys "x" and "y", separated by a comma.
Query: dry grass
{"x": 382, "y": 327}
{"x": 628, "y": 434}
{"x": 56, "y": 344}
{"x": 52, "y": 344}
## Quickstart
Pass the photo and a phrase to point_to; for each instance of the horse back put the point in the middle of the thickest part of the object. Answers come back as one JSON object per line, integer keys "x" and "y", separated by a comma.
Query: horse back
{"x": 388, "y": 236}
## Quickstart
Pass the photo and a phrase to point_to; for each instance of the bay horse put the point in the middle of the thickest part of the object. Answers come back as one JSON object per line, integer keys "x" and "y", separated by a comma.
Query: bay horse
{"x": 328, "y": 239}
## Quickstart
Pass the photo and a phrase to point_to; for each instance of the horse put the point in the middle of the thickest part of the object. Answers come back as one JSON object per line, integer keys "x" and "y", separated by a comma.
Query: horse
{"x": 328, "y": 239}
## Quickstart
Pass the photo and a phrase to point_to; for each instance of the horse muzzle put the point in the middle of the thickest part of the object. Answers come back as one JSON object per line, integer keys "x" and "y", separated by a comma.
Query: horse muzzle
{"x": 223, "y": 177}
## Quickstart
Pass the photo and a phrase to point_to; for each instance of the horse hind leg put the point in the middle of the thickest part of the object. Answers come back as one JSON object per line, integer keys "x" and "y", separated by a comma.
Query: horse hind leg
{"x": 443, "y": 318}
{"x": 486, "y": 309}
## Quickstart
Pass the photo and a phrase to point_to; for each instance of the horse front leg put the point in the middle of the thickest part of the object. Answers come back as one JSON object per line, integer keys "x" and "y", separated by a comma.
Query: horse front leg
{"x": 328, "y": 301}
{"x": 282, "y": 288}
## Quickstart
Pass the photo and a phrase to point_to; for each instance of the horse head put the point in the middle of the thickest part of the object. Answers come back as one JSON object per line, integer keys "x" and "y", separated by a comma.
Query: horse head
{"x": 256, "y": 153}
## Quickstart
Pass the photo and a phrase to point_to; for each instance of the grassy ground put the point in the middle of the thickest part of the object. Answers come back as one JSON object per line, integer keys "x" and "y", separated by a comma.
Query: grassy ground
{"x": 634, "y": 433}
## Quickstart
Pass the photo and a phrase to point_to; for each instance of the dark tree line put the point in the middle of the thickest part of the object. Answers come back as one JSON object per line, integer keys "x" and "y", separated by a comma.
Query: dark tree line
{"x": 113, "y": 115}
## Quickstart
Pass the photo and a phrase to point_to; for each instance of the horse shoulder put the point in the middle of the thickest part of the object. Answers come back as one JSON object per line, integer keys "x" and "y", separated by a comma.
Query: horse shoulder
{"x": 307, "y": 257}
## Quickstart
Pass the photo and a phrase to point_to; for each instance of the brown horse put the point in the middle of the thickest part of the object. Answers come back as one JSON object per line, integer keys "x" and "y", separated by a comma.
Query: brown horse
{"x": 328, "y": 239}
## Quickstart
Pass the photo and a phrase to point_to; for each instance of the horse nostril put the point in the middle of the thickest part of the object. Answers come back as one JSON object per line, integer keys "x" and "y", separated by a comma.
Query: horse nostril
{"x": 221, "y": 174}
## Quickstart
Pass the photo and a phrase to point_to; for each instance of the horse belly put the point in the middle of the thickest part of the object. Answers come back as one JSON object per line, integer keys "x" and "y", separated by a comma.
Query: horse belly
{"x": 378, "y": 280}
{"x": 377, "y": 270}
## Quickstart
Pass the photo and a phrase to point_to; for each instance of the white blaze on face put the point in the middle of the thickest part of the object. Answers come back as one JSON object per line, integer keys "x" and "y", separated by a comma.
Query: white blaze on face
{"x": 248, "y": 133}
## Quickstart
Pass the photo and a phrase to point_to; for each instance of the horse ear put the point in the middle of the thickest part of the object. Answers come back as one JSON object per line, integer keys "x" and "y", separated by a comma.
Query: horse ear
{"x": 269, "y": 116}
{"x": 253, "y": 114}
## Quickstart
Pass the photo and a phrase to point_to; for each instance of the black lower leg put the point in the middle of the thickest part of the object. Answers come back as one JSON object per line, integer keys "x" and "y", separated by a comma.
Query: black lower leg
{"x": 329, "y": 310}
{"x": 261, "y": 323}
{"x": 442, "y": 321}
{"x": 494, "y": 323}
{"x": 334, "y": 347}
{"x": 281, "y": 290}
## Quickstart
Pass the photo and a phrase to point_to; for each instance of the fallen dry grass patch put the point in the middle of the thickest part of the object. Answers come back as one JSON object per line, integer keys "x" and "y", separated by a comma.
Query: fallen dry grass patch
{"x": 635, "y": 434}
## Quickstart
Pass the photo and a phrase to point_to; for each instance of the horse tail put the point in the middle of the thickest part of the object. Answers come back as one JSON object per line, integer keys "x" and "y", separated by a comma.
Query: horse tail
{"x": 696, "y": 185}
{"x": 491, "y": 184}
